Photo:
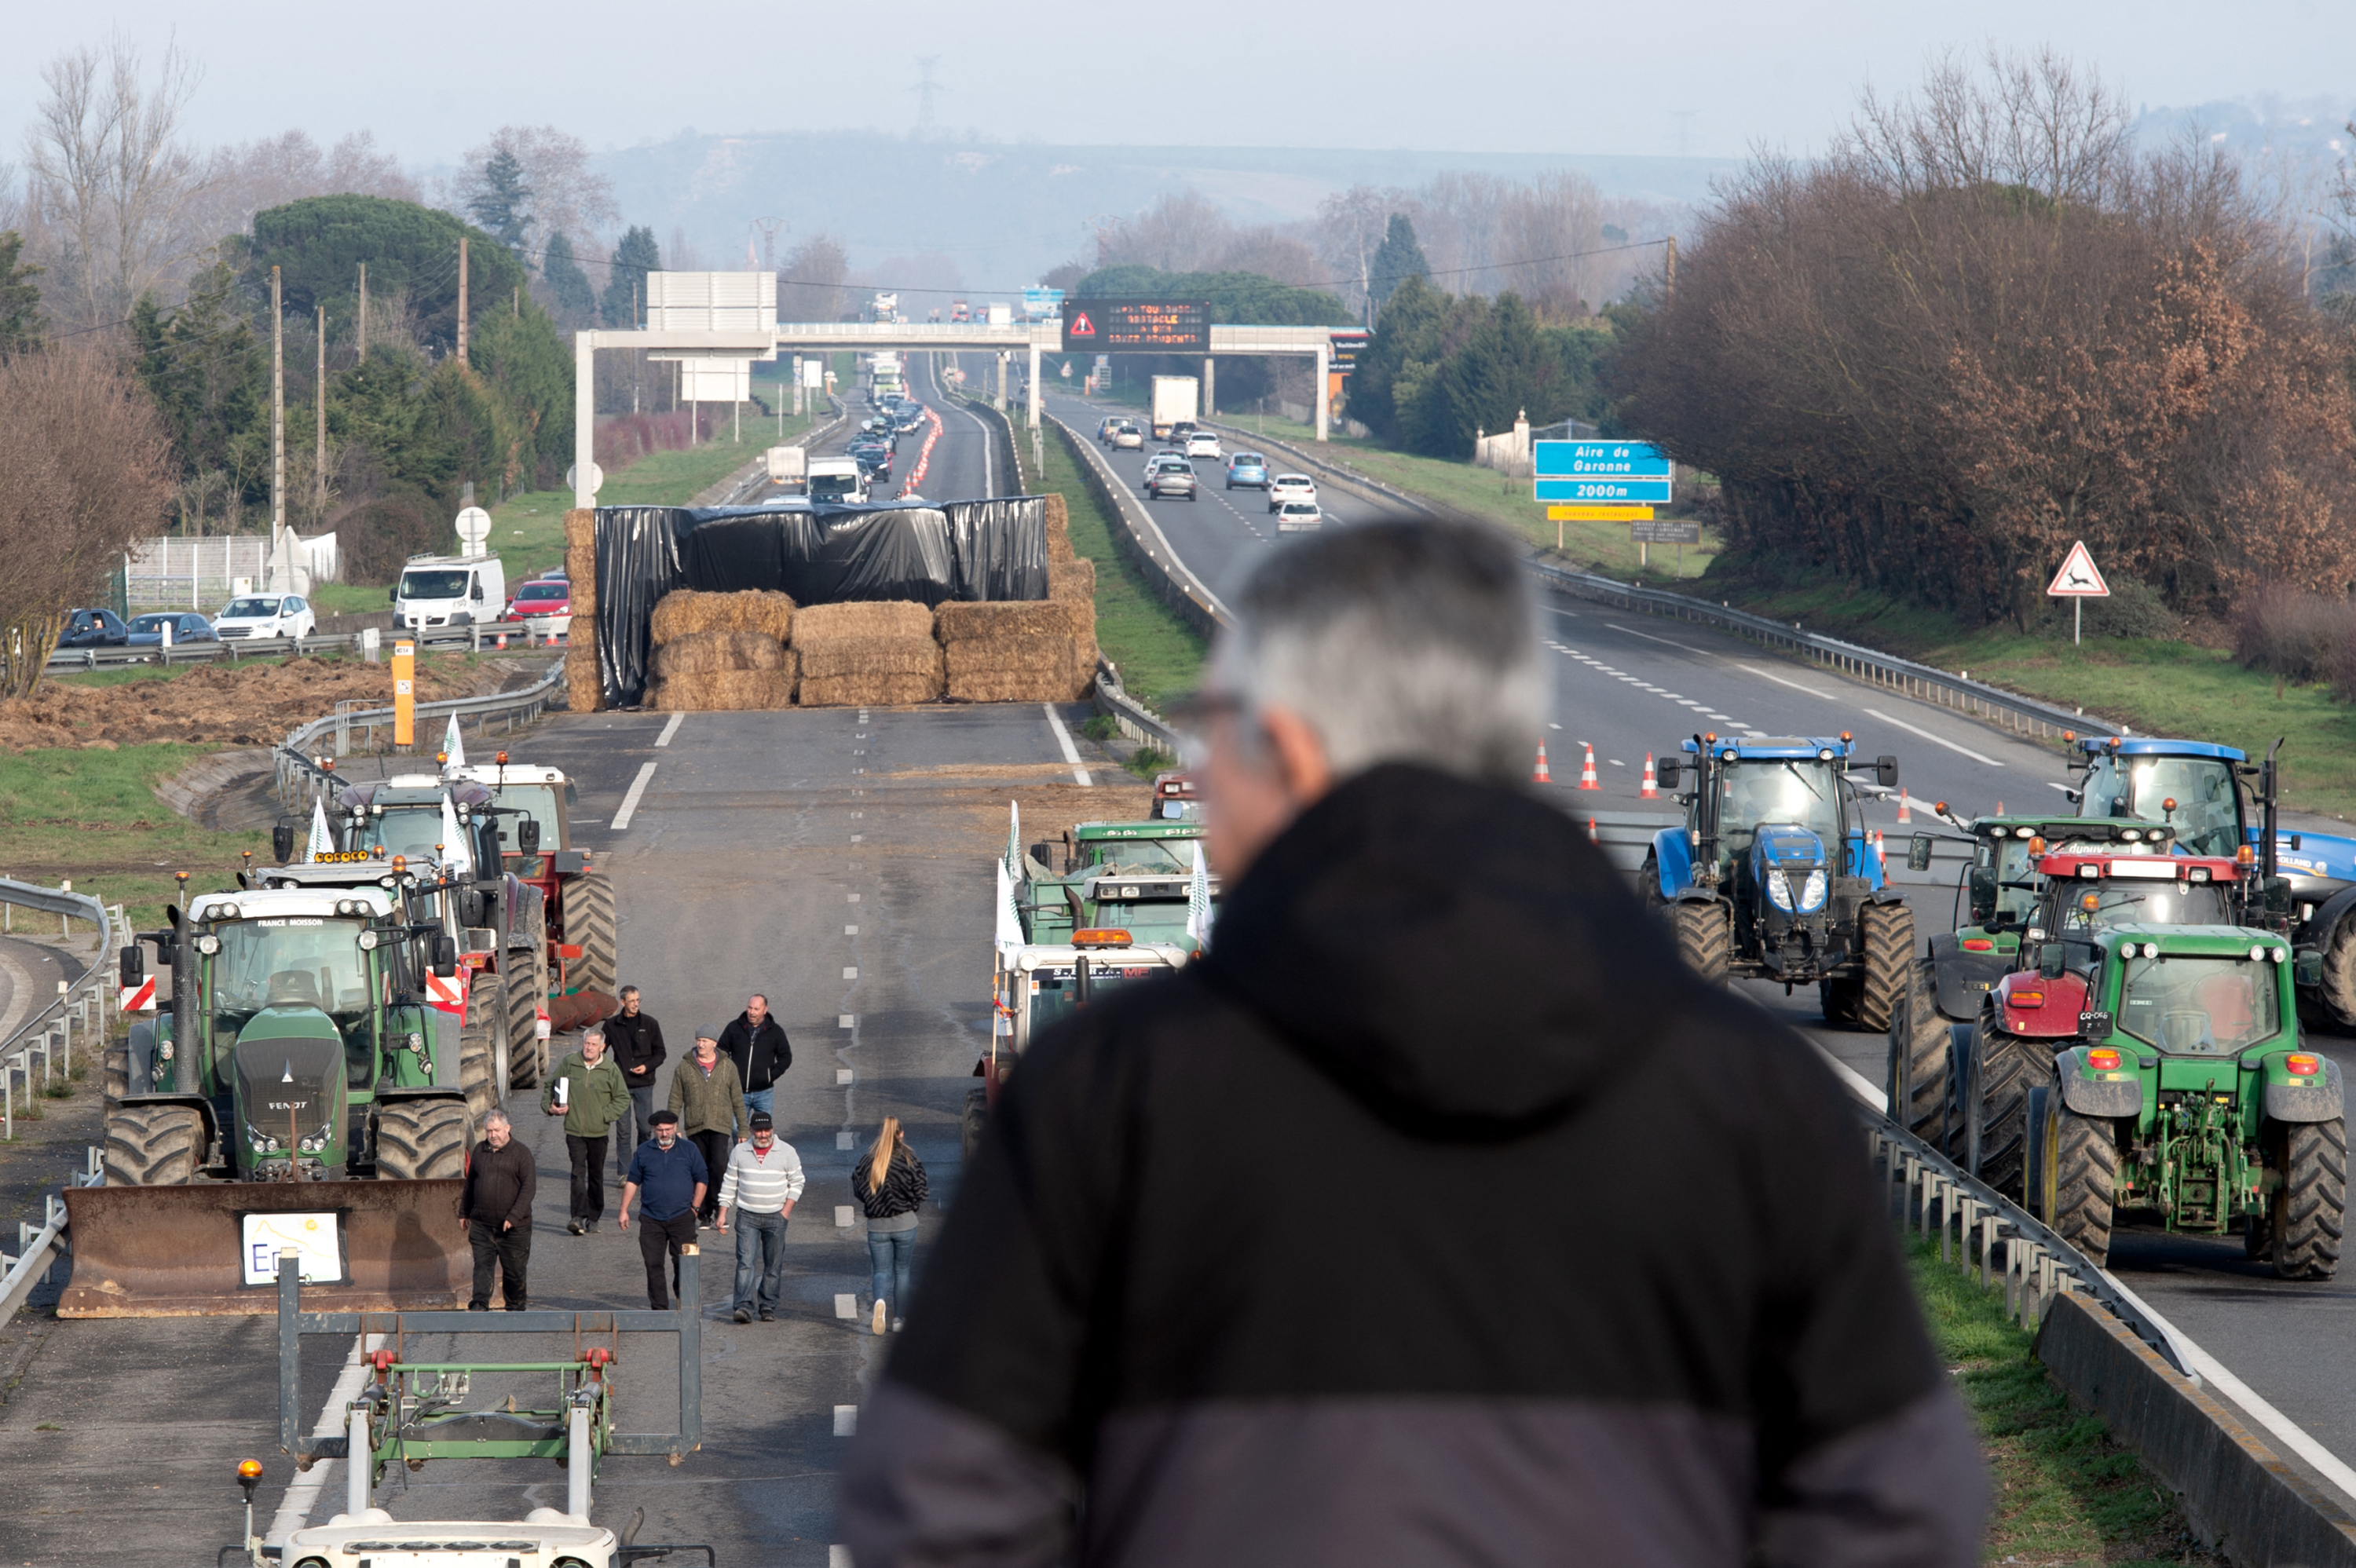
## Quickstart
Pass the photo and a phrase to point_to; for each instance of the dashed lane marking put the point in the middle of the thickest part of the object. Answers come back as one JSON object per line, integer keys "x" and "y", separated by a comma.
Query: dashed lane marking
{"x": 1064, "y": 739}
{"x": 1779, "y": 681}
{"x": 630, "y": 801}
{"x": 670, "y": 728}
{"x": 1934, "y": 740}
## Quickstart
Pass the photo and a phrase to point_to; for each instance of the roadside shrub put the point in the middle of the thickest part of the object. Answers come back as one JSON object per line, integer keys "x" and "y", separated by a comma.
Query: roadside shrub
{"x": 2293, "y": 633}
{"x": 377, "y": 537}
{"x": 2135, "y": 609}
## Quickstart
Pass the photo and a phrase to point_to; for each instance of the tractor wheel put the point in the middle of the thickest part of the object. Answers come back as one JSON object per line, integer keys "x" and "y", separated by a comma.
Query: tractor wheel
{"x": 977, "y": 1114}
{"x": 154, "y": 1145}
{"x": 2339, "y": 990}
{"x": 1886, "y": 933}
{"x": 421, "y": 1140}
{"x": 1996, "y": 1107}
{"x": 477, "y": 1061}
{"x": 1917, "y": 1075}
{"x": 525, "y": 992}
{"x": 1704, "y": 932}
{"x": 2308, "y": 1204}
{"x": 589, "y": 924}
{"x": 2078, "y": 1184}
{"x": 115, "y": 1071}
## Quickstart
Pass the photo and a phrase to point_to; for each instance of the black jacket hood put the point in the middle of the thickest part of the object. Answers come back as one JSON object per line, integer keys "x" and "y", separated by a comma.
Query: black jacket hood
{"x": 1459, "y": 955}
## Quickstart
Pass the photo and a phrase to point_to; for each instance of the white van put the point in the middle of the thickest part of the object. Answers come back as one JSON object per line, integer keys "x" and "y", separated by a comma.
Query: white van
{"x": 449, "y": 591}
{"x": 837, "y": 479}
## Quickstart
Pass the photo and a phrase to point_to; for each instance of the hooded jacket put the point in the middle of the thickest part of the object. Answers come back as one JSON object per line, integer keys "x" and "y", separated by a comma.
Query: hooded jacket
{"x": 1437, "y": 1215}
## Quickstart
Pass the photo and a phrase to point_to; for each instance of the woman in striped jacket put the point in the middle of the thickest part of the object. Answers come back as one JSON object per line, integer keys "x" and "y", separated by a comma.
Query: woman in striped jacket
{"x": 890, "y": 1185}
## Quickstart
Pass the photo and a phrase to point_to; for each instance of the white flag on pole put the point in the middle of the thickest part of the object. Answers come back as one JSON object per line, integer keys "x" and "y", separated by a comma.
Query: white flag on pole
{"x": 457, "y": 855}
{"x": 322, "y": 841}
{"x": 1010, "y": 924}
{"x": 1013, "y": 860}
{"x": 455, "y": 748}
{"x": 1198, "y": 901}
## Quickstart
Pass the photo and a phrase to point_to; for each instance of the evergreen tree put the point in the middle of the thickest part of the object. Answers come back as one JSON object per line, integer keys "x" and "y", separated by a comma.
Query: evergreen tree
{"x": 626, "y": 280}
{"x": 568, "y": 285}
{"x": 503, "y": 203}
{"x": 20, "y": 298}
{"x": 1396, "y": 258}
{"x": 208, "y": 371}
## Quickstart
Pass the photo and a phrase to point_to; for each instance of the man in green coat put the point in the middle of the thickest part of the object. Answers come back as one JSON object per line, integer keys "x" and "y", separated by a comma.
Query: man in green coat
{"x": 588, "y": 1092}
{"x": 709, "y": 1096}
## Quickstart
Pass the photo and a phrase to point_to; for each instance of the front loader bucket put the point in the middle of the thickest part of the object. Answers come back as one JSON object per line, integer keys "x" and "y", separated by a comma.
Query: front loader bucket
{"x": 181, "y": 1251}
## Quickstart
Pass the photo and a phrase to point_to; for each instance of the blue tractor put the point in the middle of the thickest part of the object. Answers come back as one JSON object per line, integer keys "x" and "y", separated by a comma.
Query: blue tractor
{"x": 1773, "y": 878}
{"x": 2301, "y": 885}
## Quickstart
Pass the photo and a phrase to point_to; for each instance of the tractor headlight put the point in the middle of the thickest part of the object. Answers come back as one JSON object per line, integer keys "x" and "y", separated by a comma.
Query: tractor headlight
{"x": 1778, "y": 891}
{"x": 416, "y": 1041}
{"x": 368, "y": 941}
{"x": 1812, "y": 891}
{"x": 209, "y": 944}
{"x": 164, "y": 1049}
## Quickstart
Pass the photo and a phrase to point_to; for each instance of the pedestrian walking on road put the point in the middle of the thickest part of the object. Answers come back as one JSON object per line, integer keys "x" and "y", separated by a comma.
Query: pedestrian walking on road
{"x": 889, "y": 1183}
{"x": 757, "y": 1043}
{"x": 670, "y": 1171}
{"x": 1579, "y": 1261}
{"x": 710, "y": 1100}
{"x": 495, "y": 1205}
{"x": 636, "y": 1042}
{"x": 763, "y": 1182}
{"x": 587, "y": 1090}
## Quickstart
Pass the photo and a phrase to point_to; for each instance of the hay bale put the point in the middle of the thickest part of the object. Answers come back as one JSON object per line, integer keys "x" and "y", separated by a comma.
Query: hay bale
{"x": 879, "y": 618}
{"x": 584, "y": 691}
{"x": 705, "y": 653}
{"x": 1059, "y": 532}
{"x": 685, "y": 611}
{"x": 855, "y": 657}
{"x": 870, "y": 691}
{"x": 1074, "y": 579}
{"x": 581, "y": 558}
{"x": 956, "y": 622}
{"x": 1018, "y": 668}
{"x": 721, "y": 691}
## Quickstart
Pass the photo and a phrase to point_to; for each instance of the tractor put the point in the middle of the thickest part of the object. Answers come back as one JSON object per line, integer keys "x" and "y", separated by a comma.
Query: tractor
{"x": 1771, "y": 877}
{"x": 2221, "y": 804}
{"x": 1957, "y": 968}
{"x": 2166, "y": 1079}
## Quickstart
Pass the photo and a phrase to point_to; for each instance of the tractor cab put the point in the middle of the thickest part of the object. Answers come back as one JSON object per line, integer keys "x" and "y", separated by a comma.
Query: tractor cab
{"x": 1137, "y": 877}
{"x": 2087, "y": 892}
{"x": 2191, "y": 786}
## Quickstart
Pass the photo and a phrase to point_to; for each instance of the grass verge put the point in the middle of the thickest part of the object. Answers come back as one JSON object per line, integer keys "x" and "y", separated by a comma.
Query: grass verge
{"x": 2065, "y": 1491}
{"x": 1158, "y": 654}
{"x": 92, "y": 816}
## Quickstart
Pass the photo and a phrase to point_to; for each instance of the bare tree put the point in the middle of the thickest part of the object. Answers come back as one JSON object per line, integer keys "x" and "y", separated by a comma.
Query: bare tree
{"x": 811, "y": 284}
{"x": 568, "y": 196}
{"x": 1273, "y": 253}
{"x": 1182, "y": 231}
{"x": 110, "y": 179}
{"x": 1350, "y": 227}
{"x": 274, "y": 170}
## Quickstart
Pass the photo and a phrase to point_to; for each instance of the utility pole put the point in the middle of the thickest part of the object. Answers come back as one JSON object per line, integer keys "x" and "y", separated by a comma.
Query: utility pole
{"x": 519, "y": 301}
{"x": 319, "y": 401}
{"x": 1673, "y": 267}
{"x": 363, "y": 310}
{"x": 277, "y": 418}
{"x": 462, "y": 299}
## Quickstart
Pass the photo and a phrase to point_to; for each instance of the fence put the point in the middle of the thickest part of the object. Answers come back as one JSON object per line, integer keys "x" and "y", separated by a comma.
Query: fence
{"x": 172, "y": 573}
{"x": 301, "y": 779}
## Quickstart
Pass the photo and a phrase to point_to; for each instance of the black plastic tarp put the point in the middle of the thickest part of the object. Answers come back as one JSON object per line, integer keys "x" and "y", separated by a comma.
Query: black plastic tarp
{"x": 819, "y": 554}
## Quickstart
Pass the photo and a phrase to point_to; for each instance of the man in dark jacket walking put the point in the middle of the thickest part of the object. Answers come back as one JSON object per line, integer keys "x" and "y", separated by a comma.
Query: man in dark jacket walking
{"x": 495, "y": 1205}
{"x": 635, "y": 1041}
{"x": 1625, "y": 1292}
{"x": 758, "y": 1047}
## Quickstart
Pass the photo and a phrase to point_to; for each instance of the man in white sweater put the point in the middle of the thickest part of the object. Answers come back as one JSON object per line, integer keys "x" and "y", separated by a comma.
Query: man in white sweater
{"x": 764, "y": 1178}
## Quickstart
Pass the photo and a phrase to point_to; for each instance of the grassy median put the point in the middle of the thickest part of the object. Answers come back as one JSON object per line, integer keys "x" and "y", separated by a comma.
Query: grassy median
{"x": 1158, "y": 654}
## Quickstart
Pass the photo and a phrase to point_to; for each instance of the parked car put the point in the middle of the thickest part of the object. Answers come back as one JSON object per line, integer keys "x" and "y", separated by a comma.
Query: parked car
{"x": 187, "y": 625}
{"x": 1248, "y": 469}
{"x": 1127, "y": 437}
{"x": 1299, "y": 517}
{"x": 1172, "y": 480}
{"x": 1290, "y": 487}
{"x": 260, "y": 616}
{"x": 543, "y": 604}
{"x": 1202, "y": 443}
{"x": 93, "y": 629}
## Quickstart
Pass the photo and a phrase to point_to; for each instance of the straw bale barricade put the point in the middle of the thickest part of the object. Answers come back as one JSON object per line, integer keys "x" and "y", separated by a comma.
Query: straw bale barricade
{"x": 721, "y": 651}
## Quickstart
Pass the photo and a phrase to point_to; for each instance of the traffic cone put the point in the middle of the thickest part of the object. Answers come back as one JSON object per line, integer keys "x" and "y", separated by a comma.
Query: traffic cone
{"x": 1879, "y": 859}
{"x": 1592, "y": 833}
{"x": 1539, "y": 775}
{"x": 1999, "y": 808}
{"x": 503, "y": 640}
{"x": 1652, "y": 790}
{"x": 1587, "y": 779}
{"x": 1904, "y": 815}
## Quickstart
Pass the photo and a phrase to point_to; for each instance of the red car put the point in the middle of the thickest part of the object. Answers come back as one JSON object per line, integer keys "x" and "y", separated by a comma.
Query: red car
{"x": 544, "y": 604}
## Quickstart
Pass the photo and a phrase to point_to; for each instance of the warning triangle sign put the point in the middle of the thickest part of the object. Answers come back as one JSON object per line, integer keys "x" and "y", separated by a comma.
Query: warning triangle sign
{"x": 1082, "y": 326}
{"x": 2078, "y": 579}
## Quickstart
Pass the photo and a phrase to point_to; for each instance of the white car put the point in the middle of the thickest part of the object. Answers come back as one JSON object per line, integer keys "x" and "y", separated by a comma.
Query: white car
{"x": 1163, "y": 456}
{"x": 1299, "y": 517}
{"x": 265, "y": 615}
{"x": 1290, "y": 487}
{"x": 1203, "y": 444}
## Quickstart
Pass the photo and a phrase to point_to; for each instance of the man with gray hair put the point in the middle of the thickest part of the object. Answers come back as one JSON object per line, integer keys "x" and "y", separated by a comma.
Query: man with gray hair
{"x": 587, "y": 1090}
{"x": 495, "y": 1205}
{"x": 1436, "y": 1214}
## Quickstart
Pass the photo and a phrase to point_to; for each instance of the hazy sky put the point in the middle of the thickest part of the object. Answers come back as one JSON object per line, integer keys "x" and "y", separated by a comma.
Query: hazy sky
{"x": 433, "y": 77}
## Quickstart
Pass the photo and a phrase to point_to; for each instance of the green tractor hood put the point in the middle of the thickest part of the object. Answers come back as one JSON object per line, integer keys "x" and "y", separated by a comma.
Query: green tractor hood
{"x": 291, "y": 1104}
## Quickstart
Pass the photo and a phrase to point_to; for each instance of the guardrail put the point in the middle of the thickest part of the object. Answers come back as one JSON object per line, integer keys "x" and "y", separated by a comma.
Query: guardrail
{"x": 1131, "y": 716}
{"x": 38, "y": 1249}
{"x": 473, "y": 638}
{"x": 301, "y": 779}
{"x": 1142, "y": 540}
{"x": 49, "y": 1033}
{"x": 999, "y": 426}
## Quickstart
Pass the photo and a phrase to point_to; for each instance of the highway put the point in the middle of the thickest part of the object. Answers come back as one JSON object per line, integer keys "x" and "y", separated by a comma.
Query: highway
{"x": 1626, "y": 685}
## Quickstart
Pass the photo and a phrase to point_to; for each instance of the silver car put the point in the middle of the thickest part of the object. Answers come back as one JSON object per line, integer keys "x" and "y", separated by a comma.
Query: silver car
{"x": 1172, "y": 480}
{"x": 1299, "y": 517}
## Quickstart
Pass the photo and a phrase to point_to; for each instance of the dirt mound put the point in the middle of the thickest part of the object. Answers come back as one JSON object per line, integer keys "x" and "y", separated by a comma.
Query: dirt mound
{"x": 254, "y": 703}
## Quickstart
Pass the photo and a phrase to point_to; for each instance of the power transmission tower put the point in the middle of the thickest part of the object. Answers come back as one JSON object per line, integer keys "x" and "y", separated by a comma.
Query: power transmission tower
{"x": 769, "y": 228}
{"x": 924, "y": 91}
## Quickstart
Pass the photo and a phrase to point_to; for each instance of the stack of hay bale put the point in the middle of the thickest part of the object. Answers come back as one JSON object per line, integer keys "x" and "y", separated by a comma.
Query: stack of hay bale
{"x": 1027, "y": 650}
{"x": 868, "y": 655}
{"x": 585, "y": 692}
{"x": 721, "y": 651}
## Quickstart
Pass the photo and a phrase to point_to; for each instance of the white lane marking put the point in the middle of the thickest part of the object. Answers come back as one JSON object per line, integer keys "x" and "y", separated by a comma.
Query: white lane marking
{"x": 989, "y": 472}
{"x": 670, "y": 728}
{"x": 302, "y": 1491}
{"x": 1795, "y": 686}
{"x": 1064, "y": 739}
{"x": 1934, "y": 740}
{"x": 1650, "y": 638}
{"x": 2065, "y": 789}
{"x": 630, "y": 801}
{"x": 2196, "y": 1360}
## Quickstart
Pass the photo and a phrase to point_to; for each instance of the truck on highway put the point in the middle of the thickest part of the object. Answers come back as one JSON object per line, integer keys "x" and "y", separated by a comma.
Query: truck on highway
{"x": 837, "y": 479}
{"x": 1176, "y": 400}
{"x": 883, "y": 376}
{"x": 788, "y": 466}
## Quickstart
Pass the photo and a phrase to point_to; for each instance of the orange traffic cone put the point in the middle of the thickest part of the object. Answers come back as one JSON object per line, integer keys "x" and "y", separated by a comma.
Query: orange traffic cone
{"x": 503, "y": 640}
{"x": 1587, "y": 779}
{"x": 1999, "y": 808}
{"x": 1880, "y": 860}
{"x": 1904, "y": 814}
{"x": 1652, "y": 790}
{"x": 1538, "y": 774}
{"x": 1591, "y": 829}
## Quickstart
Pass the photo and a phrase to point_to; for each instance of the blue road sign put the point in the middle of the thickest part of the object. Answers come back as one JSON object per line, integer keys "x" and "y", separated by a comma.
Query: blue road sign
{"x": 1634, "y": 471}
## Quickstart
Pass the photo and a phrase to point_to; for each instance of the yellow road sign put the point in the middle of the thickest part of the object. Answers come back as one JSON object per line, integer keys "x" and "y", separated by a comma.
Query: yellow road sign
{"x": 1599, "y": 513}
